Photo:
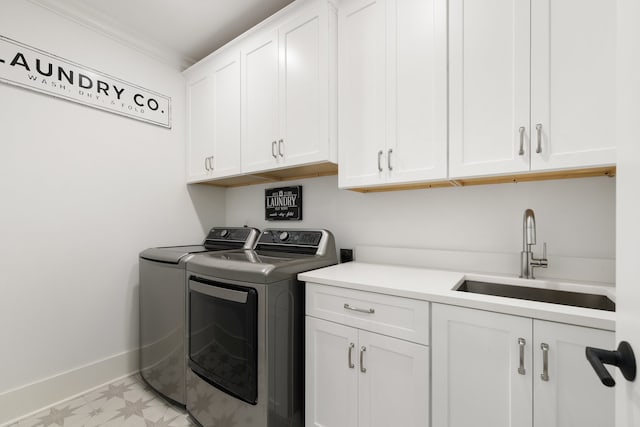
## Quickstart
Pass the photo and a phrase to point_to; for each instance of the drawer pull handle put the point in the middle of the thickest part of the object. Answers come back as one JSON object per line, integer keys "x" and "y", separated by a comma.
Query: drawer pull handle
{"x": 544, "y": 376}
{"x": 522, "y": 342}
{"x": 351, "y": 347}
{"x": 521, "y": 131}
{"x": 362, "y": 368}
{"x": 539, "y": 131}
{"x": 359, "y": 310}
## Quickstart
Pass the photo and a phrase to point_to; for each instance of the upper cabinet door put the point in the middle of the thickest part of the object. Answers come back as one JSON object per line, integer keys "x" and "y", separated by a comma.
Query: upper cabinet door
{"x": 260, "y": 103}
{"x": 417, "y": 90}
{"x": 304, "y": 88}
{"x": 573, "y": 83}
{"x": 361, "y": 92}
{"x": 489, "y": 86}
{"x": 572, "y": 394}
{"x": 226, "y": 115}
{"x": 200, "y": 146}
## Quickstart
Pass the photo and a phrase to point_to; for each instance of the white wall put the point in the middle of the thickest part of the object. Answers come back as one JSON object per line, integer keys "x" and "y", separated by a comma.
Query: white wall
{"x": 82, "y": 192}
{"x": 576, "y": 217}
{"x": 628, "y": 208}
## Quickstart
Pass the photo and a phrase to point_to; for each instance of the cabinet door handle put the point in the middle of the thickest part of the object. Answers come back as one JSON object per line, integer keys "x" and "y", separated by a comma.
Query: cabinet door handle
{"x": 206, "y": 164}
{"x": 362, "y": 368}
{"x": 280, "y": 146}
{"x": 273, "y": 150}
{"x": 351, "y": 347}
{"x": 545, "y": 362}
{"x": 389, "y": 159}
{"x": 539, "y": 132}
{"x": 522, "y": 342}
{"x": 379, "y": 160}
{"x": 212, "y": 164}
{"x": 359, "y": 310}
{"x": 521, "y": 130}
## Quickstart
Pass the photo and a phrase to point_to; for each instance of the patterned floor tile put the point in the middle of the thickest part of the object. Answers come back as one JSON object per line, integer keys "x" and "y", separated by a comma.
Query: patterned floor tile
{"x": 128, "y": 402}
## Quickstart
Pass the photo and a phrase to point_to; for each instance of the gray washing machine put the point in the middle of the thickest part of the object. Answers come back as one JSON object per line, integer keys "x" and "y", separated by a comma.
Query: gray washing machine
{"x": 163, "y": 292}
{"x": 246, "y": 330}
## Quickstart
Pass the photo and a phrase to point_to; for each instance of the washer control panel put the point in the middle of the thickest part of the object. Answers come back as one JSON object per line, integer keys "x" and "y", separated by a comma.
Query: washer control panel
{"x": 291, "y": 237}
{"x": 224, "y": 238}
{"x": 231, "y": 233}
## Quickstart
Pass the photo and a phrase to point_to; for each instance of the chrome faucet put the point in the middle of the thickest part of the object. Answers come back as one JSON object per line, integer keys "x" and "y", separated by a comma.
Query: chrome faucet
{"x": 527, "y": 261}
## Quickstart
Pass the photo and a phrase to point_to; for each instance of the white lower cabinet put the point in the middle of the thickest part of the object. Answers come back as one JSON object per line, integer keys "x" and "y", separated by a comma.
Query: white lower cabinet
{"x": 358, "y": 378}
{"x": 331, "y": 381}
{"x": 573, "y": 395}
{"x": 498, "y": 370}
{"x": 393, "y": 383}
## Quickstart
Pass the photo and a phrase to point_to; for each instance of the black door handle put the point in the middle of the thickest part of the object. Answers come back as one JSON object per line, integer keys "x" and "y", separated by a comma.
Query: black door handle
{"x": 623, "y": 358}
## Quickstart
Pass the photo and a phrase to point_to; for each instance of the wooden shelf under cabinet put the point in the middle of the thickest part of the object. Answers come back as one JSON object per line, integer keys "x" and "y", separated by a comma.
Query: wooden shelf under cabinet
{"x": 287, "y": 174}
{"x": 328, "y": 169}
{"x": 504, "y": 179}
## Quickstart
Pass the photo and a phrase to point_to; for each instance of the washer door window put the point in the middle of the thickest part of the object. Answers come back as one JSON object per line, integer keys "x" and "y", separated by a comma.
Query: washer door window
{"x": 223, "y": 336}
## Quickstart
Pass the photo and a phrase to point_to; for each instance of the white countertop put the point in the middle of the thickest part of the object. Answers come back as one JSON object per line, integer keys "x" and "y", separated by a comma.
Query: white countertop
{"x": 438, "y": 286}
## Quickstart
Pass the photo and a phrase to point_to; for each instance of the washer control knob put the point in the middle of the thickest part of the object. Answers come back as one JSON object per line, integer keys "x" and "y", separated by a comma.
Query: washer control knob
{"x": 224, "y": 233}
{"x": 284, "y": 236}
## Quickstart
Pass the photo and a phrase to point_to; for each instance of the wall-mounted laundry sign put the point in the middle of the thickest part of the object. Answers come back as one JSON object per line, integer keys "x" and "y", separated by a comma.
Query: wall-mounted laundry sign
{"x": 34, "y": 69}
{"x": 283, "y": 203}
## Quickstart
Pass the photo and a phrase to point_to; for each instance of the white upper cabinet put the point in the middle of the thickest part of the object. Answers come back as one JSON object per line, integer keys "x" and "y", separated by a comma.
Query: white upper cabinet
{"x": 489, "y": 86}
{"x": 260, "y": 102}
{"x": 226, "y": 115}
{"x": 304, "y": 88}
{"x": 392, "y": 82}
{"x": 213, "y": 112}
{"x": 268, "y": 100}
{"x": 532, "y": 85}
{"x": 361, "y": 91}
{"x": 286, "y": 98}
{"x": 417, "y": 90}
{"x": 573, "y": 83}
{"x": 199, "y": 124}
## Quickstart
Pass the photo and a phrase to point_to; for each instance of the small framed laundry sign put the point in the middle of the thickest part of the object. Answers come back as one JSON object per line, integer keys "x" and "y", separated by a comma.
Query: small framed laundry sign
{"x": 34, "y": 69}
{"x": 283, "y": 203}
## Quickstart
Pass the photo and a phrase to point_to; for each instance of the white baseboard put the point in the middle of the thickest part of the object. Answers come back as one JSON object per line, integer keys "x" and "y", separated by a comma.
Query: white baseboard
{"x": 35, "y": 397}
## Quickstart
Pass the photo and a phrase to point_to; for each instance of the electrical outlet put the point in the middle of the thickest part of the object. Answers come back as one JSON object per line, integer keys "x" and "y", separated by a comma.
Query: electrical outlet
{"x": 346, "y": 255}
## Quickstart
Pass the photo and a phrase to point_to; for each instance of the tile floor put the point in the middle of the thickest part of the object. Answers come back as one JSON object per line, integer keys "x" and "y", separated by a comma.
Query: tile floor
{"x": 127, "y": 402}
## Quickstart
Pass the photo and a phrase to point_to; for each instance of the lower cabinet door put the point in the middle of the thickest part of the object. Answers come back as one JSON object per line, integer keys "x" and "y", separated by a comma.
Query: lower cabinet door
{"x": 568, "y": 392}
{"x": 482, "y": 368}
{"x": 393, "y": 382}
{"x": 331, "y": 398}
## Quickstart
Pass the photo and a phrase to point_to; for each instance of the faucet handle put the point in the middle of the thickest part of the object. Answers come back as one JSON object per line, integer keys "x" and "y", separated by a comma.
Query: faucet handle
{"x": 544, "y": 250}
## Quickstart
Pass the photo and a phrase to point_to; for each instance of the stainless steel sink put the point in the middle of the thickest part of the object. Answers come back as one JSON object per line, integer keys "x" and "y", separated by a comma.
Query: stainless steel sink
{"x": 575, "y": 299}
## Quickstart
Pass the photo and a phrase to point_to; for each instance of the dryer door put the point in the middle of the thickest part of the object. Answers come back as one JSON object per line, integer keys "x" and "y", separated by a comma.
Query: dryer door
{"x": 223, "y": 336}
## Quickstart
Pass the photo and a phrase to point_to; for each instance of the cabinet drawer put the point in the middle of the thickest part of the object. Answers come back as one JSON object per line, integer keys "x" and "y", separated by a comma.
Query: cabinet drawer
{"x": 398, "y": 317}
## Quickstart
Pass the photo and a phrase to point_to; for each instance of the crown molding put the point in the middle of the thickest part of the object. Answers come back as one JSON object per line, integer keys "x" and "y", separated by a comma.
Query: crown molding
{"x": 94, "y": 20}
